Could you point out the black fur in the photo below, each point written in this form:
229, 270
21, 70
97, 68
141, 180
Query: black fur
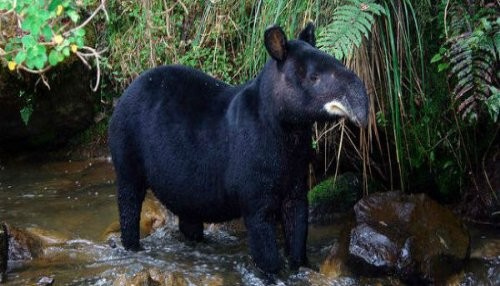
211, 152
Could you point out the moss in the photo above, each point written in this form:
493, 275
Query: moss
342, 192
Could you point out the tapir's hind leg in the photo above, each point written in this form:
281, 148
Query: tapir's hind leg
192, 230
131, 192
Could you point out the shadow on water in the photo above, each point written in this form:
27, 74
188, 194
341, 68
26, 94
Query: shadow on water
73, 204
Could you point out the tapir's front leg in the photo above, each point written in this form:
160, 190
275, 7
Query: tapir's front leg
295, 219
261, 225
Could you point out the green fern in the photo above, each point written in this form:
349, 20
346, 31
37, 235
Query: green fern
351, 22
474, 57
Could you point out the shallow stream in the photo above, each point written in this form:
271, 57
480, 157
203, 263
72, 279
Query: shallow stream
73, 203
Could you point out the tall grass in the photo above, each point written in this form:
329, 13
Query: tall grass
413, 130
224, 38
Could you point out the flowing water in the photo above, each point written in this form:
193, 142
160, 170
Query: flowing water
72, 204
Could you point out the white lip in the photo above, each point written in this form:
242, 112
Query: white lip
335, 108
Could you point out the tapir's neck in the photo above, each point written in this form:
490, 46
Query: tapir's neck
269, 109
255, 100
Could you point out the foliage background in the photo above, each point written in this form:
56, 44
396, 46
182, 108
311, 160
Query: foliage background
430, 67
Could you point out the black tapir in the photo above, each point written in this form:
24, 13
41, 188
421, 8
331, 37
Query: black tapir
212, 152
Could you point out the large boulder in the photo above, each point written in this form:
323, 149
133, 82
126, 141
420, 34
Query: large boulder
23, 245
410, 236
58, 113
27, 244
153, 216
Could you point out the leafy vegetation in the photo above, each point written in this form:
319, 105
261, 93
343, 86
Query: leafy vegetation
471, 55
38, 35
430, 67
350, 23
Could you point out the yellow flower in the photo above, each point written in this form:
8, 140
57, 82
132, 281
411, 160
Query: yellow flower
58, 39
11, 65
74, 48
59, 10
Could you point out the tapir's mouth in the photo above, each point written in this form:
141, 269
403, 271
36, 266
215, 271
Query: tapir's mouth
336, 108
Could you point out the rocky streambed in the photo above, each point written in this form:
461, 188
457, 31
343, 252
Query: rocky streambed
61, 221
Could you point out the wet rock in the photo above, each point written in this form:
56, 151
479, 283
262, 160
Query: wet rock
23, 245
334, 196
156, 277
47, 237
26, 244
45, 281
4, 251
235, 226
410, 236
489, 249
153, 216
478, 272
152, 278
335, 265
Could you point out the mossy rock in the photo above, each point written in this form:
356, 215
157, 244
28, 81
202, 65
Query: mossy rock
342, 191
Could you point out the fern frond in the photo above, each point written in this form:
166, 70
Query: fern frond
473, 56
350, 24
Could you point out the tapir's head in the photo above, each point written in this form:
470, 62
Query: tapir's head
308, 84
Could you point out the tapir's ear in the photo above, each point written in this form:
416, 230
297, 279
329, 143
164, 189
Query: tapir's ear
275, 42
307, 35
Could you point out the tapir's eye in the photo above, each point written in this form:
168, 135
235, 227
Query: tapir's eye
314, 77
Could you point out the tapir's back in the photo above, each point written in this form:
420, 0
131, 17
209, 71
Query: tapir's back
166, 126
169, 96
182, 90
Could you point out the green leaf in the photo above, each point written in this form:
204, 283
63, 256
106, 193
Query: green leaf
73, 15
5, 5
28, 41
79, 32
53, 5
66, 51
26, 113
80, 42
40, 62
47, 33
314, 144
436, 58
55, 57
36, 57
20, 57
493, 103
35, 19
443, 66
351, 23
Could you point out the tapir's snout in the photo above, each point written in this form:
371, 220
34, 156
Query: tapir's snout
353, 104
359, 104
359, 114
